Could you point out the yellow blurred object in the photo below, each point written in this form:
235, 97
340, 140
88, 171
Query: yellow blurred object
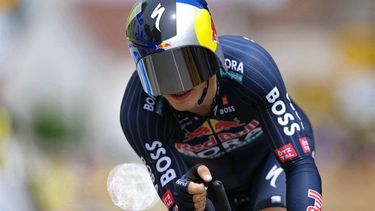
55, 187
316, 97
4, 124
5, 127
357, 42
8, 4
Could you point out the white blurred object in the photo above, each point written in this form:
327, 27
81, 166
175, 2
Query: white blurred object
6, 41
356, 97
14, 192
130, 187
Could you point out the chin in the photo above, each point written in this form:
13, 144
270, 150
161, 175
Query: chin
183, 102
182, 106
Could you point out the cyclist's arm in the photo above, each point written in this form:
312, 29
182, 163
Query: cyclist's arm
146, 131
292, 144
290, 139
161, 161
165, 167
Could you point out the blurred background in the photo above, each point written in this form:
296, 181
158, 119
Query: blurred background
64, 66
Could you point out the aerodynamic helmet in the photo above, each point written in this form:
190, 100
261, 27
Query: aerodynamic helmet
174, 44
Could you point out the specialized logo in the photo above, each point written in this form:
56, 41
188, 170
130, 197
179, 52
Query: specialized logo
157, 13
284, 118
318, 200
273, 174
286, 153
304, 144
168, 199
149, 22
163, 163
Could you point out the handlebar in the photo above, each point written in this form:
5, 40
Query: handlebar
221, 197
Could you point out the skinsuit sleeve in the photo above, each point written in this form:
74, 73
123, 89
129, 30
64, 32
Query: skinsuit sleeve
287, 128
146, 131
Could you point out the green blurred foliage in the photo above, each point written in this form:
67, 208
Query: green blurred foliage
55, 128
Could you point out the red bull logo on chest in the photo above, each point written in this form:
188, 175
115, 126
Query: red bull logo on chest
214, 137
212, 126
201, 131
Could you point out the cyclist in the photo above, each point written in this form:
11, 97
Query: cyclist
202, 107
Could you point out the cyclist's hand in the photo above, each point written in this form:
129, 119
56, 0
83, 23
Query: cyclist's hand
198, 190
190, 193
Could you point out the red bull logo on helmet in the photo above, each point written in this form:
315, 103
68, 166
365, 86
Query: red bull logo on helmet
214, 33
163, 45
205, 30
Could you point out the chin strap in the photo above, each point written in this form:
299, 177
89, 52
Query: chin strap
200, 101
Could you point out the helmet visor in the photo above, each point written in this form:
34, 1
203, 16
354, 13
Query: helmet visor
177, 69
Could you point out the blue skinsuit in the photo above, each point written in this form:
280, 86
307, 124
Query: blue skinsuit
252, 124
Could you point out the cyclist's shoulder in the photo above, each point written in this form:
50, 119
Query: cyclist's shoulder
250, 65
240, 45
139, 110
235, 39
132, 98
246, 56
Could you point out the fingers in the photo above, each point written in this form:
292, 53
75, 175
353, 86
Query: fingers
195, 188
199, 197
189, 201
200, 206
198, 190
204, 173
200, 201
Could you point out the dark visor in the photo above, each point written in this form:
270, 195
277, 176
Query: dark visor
177, 70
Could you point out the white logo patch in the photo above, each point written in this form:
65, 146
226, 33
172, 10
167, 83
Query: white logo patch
279, 109
273, 174
158, 11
